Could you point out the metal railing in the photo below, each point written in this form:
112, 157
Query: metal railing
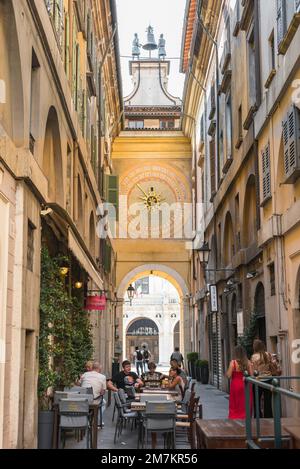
277, 393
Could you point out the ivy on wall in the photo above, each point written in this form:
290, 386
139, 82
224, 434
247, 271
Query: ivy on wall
65, 340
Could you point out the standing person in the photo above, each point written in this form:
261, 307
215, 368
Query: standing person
121, 378
237, 367
265, 365
146, 357
138, 359
176, 355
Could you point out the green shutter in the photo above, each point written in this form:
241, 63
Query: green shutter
67, 45
107, 257
111, 191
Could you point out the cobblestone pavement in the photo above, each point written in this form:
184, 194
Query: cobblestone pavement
215, 406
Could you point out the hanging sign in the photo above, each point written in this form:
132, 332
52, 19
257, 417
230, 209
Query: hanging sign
95, 303
213, 298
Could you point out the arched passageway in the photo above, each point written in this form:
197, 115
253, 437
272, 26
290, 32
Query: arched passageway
159, 297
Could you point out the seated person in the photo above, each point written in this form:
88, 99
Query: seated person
125, 377
175, 381
152, 378
174, 364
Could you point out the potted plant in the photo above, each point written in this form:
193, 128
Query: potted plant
192, 358
204, 371
65, 342
198, 370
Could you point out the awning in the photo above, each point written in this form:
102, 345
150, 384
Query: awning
83, 259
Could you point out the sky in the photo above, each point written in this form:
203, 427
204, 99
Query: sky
165, 16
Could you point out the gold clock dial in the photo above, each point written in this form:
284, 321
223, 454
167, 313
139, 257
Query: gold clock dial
152, 199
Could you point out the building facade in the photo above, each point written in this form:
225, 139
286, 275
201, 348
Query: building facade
241, 87
60, 109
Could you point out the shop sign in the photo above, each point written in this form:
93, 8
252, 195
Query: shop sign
95, 303
213, 298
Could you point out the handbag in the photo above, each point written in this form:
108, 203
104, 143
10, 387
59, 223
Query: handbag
274, 366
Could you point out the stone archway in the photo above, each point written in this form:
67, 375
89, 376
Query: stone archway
52, 159
176, 280
12, 97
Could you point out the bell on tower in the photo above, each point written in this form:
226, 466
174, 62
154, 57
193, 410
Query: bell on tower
150, 44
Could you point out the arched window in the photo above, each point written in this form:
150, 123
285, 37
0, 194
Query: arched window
52, 158
250, 216
228, 245
259, 307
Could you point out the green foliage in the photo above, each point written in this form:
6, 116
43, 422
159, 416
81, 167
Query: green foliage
246, 340
65, 341
192, 356
203, 363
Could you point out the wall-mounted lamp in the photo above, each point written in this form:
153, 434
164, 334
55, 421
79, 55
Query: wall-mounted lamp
130, 293
64, 271
203, 253
231, 282
251, 275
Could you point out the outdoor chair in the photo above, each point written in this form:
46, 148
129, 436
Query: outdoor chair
159, 417
58, 395
130, 391
79, 389
123, 417
185, 423
185, 401
74, 415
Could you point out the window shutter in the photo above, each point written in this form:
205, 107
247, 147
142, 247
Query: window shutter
67, 45
291, 144
297, 6
111, 191
281, 20
106, 256
212, 152
266, 169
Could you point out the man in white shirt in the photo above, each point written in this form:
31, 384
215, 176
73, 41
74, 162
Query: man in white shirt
95, 380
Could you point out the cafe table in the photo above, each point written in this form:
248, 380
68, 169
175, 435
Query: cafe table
139, 405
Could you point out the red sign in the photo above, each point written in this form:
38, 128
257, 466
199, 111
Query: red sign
95, 303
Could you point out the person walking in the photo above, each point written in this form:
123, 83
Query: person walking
146, 357
264, 364
138, 358
235, 372
177, 355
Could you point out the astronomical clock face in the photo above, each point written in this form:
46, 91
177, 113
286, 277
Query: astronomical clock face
158, 196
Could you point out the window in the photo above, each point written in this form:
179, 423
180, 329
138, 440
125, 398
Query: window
165, 124
272, 50
34, 100
142, 285
266, 171
212, 153
281, 21
228, 128
272, 279
30, 245
56, 13
136, 124
291, 145
240, 126
252, 69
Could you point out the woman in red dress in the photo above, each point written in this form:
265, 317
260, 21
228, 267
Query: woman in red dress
237, 400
